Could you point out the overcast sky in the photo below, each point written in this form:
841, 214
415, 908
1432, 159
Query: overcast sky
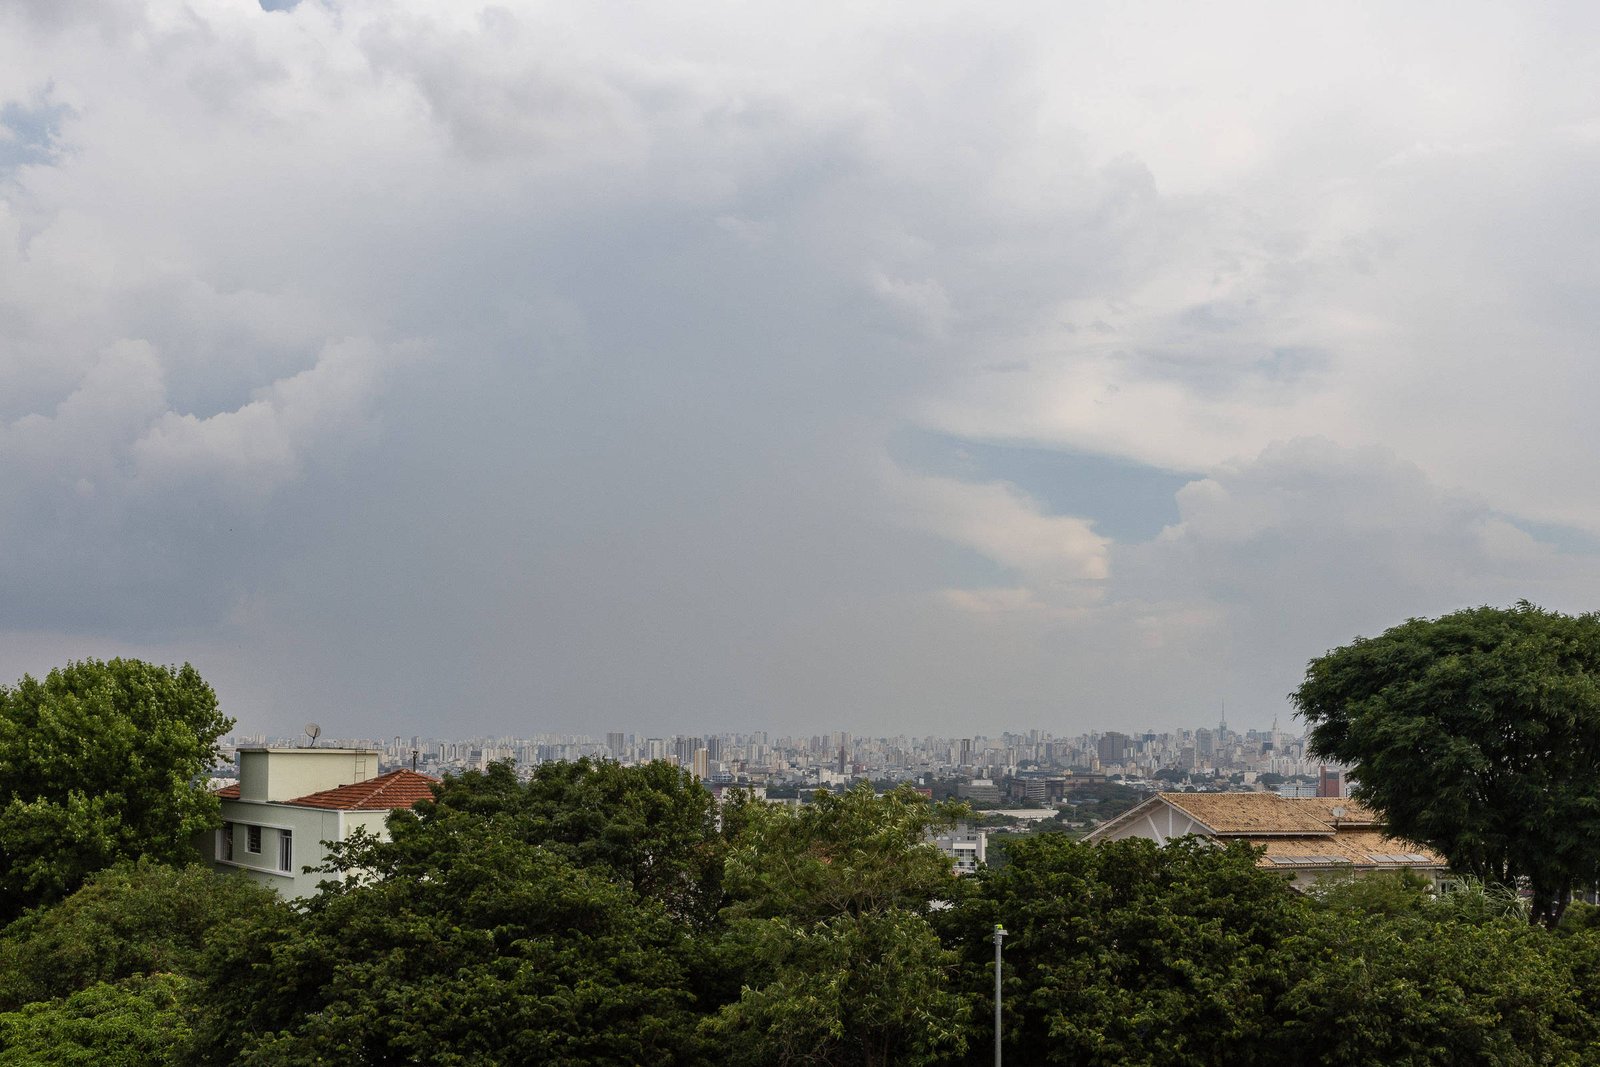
445, 367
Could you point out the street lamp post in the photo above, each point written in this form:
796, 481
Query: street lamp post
999, 936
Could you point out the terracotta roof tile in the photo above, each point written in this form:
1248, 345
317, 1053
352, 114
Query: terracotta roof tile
228, 792
397, 789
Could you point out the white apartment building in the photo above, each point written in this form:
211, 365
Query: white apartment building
965, 844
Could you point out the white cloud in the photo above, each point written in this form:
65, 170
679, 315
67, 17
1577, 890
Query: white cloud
256, 448
1005, 526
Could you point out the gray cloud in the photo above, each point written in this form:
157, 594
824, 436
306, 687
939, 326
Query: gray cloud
519, 367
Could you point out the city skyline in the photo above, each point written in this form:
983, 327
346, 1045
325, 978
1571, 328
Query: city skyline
763, 759
914, 368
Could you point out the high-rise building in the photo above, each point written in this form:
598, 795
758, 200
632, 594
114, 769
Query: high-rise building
702, 763
1115, 747
617, 743
966, 752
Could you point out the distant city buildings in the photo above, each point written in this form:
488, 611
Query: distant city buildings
1035, 767
1035, 771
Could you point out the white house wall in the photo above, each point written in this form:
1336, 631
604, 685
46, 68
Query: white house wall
310, 827
285, 773
1160, 823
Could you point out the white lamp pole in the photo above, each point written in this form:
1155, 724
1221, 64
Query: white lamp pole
999, 936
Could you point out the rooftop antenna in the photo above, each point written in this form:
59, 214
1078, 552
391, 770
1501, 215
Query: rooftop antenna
313, 731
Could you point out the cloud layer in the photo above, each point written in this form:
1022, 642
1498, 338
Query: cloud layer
536, 365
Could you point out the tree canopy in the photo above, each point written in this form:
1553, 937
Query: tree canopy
828, 923
510, 922
101, 762
493, 951
653, 827
1129, 953
133, 919
1477, 733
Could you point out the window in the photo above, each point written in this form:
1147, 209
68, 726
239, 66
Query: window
285, 850
227, 840
252, 839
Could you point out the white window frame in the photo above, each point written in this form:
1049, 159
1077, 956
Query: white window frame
286, 851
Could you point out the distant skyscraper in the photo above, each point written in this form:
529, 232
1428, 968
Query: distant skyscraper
1115, 747
702, 763
966, 752
617, 743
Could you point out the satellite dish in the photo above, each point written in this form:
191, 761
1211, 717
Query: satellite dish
313, 731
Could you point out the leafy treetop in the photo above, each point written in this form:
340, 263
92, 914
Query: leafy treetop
101, 762
1477, 733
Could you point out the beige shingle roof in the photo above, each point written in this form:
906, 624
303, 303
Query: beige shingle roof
1359, 848
1322, 807
1249, 813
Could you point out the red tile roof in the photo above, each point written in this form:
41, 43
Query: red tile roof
397, 789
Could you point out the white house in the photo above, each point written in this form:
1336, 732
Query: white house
1307, 838
290, 800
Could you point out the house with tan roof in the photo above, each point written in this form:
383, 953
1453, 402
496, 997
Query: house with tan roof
290, 801
1307, 839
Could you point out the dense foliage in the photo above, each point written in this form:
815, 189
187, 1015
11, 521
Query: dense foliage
595, 914
101, 762
828, 911
1477, 733
106, 976
132, 920
1126, 953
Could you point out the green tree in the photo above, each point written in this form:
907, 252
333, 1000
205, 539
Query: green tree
1103, 801
1129, 953
124, 922
491, 951
1386, 972
829, 922
101, 762
137, 1022
654, 826
1477, 733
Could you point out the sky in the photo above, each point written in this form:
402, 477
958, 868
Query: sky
442, 367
